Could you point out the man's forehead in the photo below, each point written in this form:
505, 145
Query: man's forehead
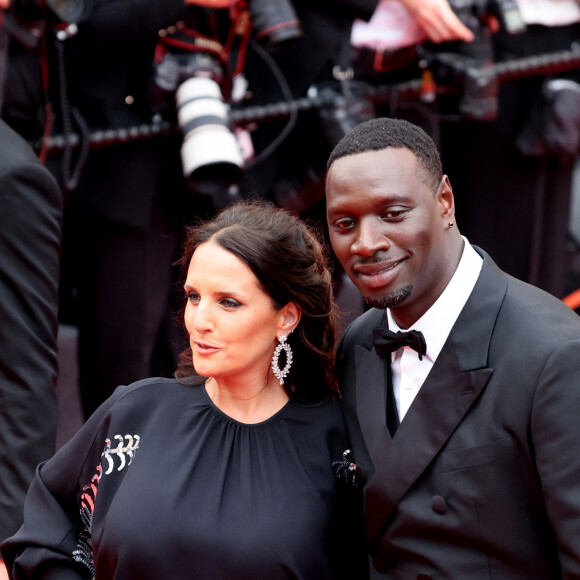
372, 170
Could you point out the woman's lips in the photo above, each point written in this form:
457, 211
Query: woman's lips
204, 348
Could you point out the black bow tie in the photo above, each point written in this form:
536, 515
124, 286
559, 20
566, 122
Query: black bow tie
386, 341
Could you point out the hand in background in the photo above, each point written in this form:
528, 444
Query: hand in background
3, 571
438, 20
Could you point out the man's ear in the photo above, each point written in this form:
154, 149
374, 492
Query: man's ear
445, 198
289, 318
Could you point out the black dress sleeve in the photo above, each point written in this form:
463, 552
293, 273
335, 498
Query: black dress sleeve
49, 545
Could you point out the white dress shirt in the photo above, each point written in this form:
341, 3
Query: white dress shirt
409, 372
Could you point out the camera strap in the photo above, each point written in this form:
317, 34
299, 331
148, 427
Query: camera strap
239, 37
4, 42
179, 38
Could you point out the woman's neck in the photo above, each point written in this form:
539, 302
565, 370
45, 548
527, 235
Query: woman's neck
247, 403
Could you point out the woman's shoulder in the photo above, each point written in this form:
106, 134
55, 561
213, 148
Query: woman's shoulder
149, 393
326, 412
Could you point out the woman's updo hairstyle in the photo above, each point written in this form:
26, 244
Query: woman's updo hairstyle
289, 261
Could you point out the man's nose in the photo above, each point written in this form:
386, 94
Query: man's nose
371, 238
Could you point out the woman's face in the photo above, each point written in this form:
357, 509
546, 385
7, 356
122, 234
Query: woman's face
232, 323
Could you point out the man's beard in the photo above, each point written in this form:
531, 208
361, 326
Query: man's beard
391, 300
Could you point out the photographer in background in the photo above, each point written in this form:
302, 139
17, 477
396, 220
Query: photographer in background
95, 70
30, 232
119, 231
513, 181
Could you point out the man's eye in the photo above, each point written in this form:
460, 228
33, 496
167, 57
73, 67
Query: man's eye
344, 224
395, 213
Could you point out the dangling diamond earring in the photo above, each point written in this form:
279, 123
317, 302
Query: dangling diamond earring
283, 346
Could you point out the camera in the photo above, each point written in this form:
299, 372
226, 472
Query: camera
210, 154
470, 66
275, 21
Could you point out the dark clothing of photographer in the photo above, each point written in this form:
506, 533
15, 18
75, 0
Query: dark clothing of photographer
30, 232
513, 201
118, 221
293, 176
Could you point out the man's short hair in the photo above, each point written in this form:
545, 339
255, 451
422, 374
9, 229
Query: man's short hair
385, 132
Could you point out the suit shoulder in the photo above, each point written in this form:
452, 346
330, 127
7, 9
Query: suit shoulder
535, 309
15, 150
360, 330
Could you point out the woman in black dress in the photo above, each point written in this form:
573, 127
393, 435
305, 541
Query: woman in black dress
225, 472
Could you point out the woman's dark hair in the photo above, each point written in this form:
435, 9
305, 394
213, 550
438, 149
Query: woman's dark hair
289, 261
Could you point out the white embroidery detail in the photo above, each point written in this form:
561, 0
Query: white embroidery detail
121, 451
84, 551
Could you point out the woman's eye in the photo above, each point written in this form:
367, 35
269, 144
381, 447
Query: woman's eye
230, 303
193, 297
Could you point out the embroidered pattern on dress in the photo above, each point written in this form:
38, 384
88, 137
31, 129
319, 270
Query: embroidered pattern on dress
84, 552
120, 451
348, 471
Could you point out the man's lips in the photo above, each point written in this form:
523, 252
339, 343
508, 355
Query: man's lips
377, 274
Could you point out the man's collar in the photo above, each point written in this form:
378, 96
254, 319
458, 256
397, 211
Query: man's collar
437, 322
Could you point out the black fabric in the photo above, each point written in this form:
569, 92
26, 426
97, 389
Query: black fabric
183, 491
392, 414
30, 216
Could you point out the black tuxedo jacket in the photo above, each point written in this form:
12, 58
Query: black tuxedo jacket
482, 478
30, 215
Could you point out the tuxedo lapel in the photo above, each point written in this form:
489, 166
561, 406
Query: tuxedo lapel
371, 400
442, 402
456, 380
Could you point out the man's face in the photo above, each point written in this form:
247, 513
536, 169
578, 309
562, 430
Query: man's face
388, 229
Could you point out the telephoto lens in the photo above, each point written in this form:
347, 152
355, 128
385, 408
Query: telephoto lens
210, 153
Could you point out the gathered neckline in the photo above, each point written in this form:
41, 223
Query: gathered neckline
229, 418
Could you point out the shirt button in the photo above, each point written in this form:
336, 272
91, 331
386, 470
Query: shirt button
438, 504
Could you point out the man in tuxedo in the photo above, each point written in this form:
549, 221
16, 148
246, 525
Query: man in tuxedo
466, 424
30, 221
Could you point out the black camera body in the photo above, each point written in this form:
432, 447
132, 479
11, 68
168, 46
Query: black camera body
469, 66
275, 21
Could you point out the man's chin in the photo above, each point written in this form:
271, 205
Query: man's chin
391, 300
